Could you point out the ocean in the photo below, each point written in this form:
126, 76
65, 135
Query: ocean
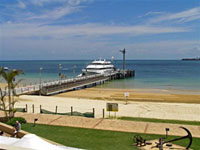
149, 74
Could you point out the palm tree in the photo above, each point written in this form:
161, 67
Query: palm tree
9, 77
13, 86
3, 105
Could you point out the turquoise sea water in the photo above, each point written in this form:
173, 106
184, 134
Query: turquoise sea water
150, 74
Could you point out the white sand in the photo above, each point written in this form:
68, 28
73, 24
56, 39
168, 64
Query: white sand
176, 111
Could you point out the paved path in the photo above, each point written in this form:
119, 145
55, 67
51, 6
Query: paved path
108, 124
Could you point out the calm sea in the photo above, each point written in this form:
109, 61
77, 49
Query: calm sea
150, 74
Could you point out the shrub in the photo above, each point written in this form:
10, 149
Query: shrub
12, 121
20, 109
89, 114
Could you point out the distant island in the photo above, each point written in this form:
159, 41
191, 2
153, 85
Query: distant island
192, 59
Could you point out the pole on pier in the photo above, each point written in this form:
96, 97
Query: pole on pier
60, 74
40, 80
123, 52
74, 70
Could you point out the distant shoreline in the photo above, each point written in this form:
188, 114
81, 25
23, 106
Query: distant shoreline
191, 59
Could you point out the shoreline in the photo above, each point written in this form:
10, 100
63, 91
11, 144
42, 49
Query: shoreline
137, 94
153, 90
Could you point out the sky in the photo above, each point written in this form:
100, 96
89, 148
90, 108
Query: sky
90, 29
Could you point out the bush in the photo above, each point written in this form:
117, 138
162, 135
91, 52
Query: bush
89, 114
20, 110
12, 121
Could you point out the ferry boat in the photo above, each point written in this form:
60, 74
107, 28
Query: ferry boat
98, 67
5, 68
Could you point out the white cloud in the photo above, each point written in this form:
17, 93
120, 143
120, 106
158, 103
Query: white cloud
151, 13
41, 2
78, 2
56, 13
84, 48
37, 35
21, 4
74, 2
36, 30
57, 9
176, 49
70, 2
184, 16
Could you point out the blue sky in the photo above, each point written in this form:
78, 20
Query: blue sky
89, 29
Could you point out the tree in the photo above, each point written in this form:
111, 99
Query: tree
9, 77
13, 86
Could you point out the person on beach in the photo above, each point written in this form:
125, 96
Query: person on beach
2, 133
17, 128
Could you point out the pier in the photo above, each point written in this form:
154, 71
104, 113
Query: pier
63, 85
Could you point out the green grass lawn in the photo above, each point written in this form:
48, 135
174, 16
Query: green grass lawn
93, 139
161, 120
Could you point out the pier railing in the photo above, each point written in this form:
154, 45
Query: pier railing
53, 87
59, 85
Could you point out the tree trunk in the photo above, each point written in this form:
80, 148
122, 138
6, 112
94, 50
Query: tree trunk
13, 104
9, 100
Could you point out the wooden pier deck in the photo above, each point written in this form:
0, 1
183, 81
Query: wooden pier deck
63, 85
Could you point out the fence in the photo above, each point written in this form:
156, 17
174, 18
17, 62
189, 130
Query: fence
54, 110
61, 110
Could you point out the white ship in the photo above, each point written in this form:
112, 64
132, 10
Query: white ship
99, 67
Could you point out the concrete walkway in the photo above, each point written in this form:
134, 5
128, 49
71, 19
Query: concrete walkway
113, 125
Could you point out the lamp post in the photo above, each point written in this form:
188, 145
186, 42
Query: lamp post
167, 130
60, 67
86, 69
74, 70
40, 79
112, 59
35, 120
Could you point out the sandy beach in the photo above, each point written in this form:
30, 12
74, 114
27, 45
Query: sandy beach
139, 95
3, 85
147, 103
161, 105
